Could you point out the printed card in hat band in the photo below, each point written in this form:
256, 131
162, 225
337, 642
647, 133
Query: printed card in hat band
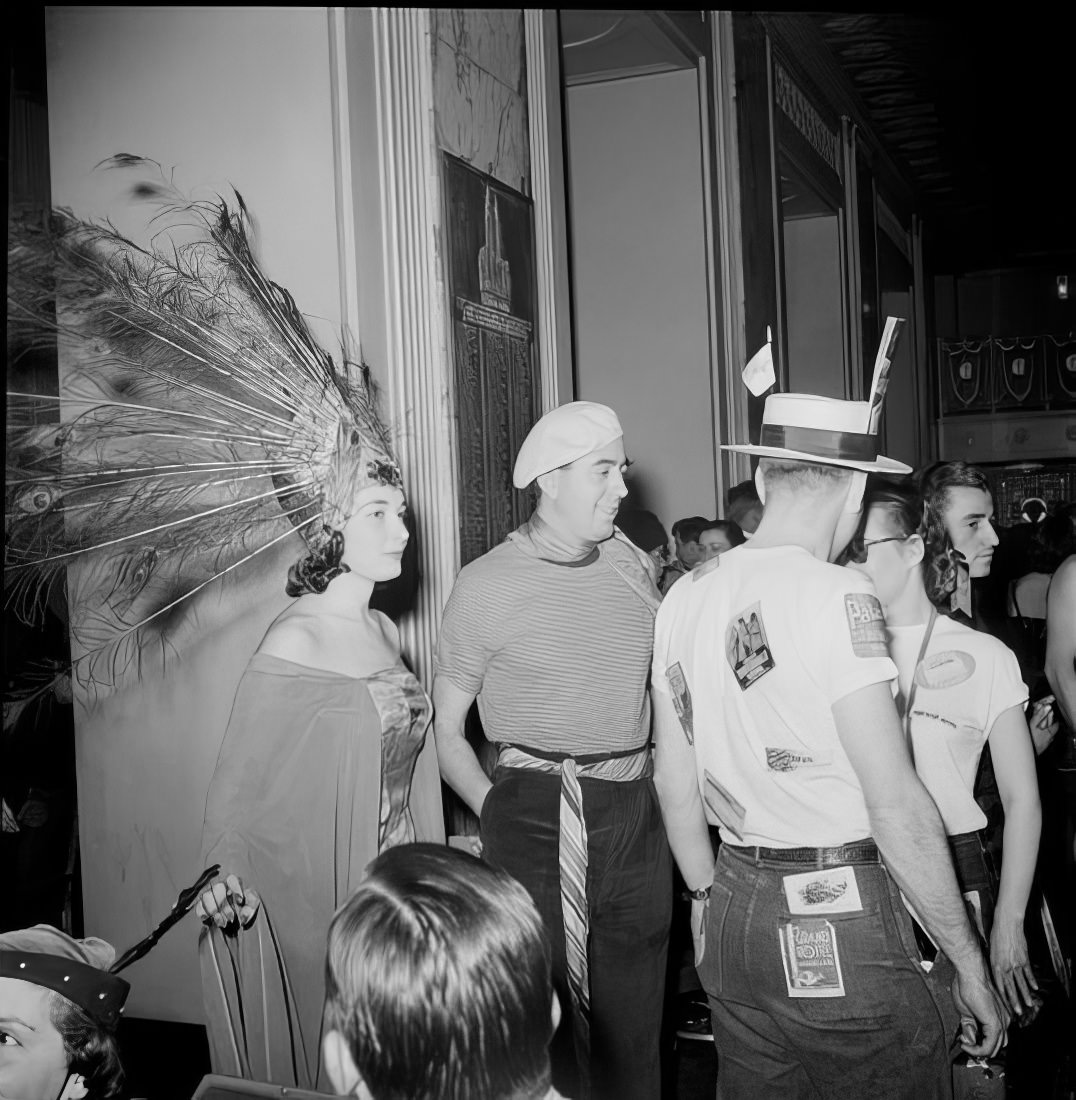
758, 375
883, 361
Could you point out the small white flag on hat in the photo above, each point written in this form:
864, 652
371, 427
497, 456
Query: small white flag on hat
758, 375
882, 362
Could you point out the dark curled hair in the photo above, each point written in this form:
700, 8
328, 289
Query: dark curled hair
689, 528
90, 1050
1051, 542
438, 977
729, 528
321, 564
936, 481
908, 515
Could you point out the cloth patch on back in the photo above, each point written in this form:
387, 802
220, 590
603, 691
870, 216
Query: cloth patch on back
943, 670
832, 890
866, 624
785, 760
681, 699
723, 806
747, 648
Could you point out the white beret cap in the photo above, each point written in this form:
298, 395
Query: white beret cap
561, 436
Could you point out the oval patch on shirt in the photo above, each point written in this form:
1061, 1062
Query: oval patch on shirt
943, 670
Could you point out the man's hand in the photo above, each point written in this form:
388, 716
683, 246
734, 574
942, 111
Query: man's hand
228, 905
983, 1016
1012, 971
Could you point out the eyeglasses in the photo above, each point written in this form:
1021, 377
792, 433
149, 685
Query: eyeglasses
858, 547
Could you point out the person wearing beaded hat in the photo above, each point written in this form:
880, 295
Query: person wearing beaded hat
204, 432
775, 722
552, 631
59, 1008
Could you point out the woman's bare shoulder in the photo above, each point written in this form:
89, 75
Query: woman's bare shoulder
389, 630
291, 636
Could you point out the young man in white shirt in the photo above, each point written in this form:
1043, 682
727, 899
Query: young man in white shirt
774, 721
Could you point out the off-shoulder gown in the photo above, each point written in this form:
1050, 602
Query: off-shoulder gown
318, 773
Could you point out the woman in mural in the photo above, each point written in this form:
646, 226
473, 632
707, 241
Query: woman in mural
959, 689
205, 432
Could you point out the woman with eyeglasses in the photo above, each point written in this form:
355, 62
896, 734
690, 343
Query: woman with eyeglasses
959, 689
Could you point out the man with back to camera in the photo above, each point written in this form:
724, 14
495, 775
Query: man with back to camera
774, 720
438, 979
552, 631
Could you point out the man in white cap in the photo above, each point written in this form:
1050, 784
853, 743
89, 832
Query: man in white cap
552, 631
775, 722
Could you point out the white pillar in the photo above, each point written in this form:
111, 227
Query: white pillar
417, 354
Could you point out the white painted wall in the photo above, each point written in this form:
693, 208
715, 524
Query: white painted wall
225, 97
639, 281
813, 306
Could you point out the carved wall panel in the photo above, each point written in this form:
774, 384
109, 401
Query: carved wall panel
490, 264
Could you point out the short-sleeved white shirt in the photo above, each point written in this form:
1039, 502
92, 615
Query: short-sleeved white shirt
966, 680
753, 656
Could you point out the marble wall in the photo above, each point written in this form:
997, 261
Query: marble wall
480, 91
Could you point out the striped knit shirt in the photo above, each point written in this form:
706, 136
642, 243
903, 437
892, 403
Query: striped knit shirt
557, 654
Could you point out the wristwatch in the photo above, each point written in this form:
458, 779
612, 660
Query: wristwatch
697, 895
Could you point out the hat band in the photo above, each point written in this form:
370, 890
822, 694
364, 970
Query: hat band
853, 446
98, 993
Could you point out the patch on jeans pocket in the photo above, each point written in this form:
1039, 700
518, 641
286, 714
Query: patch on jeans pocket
810, 957
833, 890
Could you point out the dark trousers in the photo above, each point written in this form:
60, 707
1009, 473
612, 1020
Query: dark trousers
629, 898
978, 881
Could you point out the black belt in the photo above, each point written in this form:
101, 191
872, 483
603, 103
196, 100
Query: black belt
579, 758
859, 851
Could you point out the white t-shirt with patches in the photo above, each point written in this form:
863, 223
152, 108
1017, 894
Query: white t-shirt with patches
753, 656
967, 679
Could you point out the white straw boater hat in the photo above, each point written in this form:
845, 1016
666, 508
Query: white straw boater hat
808, 428
819, 429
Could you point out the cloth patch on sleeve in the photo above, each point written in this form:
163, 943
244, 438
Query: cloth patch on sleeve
866, 624
681, 699
811, 960
833, 890
943, 670
723, 806
747, 648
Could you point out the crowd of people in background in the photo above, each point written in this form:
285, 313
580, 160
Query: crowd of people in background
1003, 601
696, 539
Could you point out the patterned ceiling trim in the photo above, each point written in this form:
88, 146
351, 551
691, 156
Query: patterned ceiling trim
802, 114
885, 57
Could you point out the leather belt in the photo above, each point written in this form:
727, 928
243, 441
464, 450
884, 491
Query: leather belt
859, 851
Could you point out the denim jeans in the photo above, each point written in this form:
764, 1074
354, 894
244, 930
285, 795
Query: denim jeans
978, 881
629, 896
890, 1034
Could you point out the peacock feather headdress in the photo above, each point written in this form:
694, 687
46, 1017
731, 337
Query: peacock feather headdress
198, 425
